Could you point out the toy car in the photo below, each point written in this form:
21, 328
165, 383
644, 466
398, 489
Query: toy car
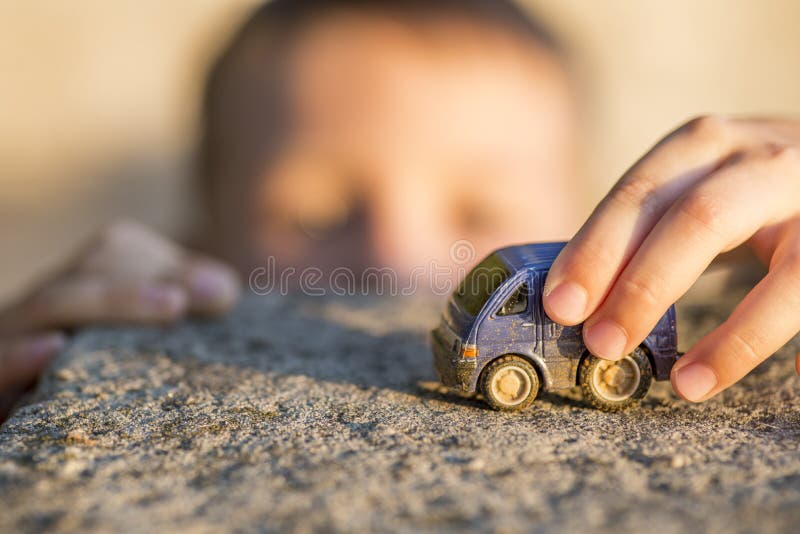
495, 338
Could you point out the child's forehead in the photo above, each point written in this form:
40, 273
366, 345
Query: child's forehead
361, 58
365, 74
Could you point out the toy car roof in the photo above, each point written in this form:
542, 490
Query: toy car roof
530, 256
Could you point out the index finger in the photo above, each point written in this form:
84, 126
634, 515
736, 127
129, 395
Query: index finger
586, 268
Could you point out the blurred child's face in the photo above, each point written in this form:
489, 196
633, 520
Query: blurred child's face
404, 141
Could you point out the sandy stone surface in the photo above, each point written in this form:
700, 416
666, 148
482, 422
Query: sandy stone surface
313, 415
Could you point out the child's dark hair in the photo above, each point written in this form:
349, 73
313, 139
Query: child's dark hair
244, 92
290, 14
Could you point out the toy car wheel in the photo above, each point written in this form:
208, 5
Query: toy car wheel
509, 383
610, 385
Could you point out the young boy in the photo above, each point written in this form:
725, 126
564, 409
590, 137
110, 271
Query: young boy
352, 133
345, 132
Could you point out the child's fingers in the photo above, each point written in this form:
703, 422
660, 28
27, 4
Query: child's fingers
765, 320
212, 287
127, 252
22, 360
719, 213
203, 286
129, 274
584, 271
83, 300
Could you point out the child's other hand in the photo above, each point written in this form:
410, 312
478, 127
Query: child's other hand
706, 188
22, 359
128, 274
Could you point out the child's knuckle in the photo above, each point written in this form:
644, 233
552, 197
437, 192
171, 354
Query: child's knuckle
786, 156
745, 349
590, 261
118, 231
637, 191
707, 127
647, 289
705, 211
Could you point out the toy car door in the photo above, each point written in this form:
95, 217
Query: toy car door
562, 345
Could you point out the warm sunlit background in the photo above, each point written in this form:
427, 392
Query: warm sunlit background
98, 100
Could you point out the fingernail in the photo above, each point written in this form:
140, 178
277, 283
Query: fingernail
694, 381
606, 339
568, 302
167, 299
208, 284
45, 347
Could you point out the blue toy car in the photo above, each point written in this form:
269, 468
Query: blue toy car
495, 338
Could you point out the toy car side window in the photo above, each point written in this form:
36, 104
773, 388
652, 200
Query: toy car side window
516, 303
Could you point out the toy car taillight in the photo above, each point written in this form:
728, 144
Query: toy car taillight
469, 351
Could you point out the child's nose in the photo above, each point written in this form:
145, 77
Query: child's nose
407, 230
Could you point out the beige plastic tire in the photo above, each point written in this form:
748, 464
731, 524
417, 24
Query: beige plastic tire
509, 383
613, 386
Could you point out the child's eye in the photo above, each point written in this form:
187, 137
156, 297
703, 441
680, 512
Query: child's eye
331, 224
323, 225
473, 217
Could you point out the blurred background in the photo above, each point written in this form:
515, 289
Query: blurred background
99, 100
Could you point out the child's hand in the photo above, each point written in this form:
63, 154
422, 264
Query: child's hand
706, 188
22, 359
128, 274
